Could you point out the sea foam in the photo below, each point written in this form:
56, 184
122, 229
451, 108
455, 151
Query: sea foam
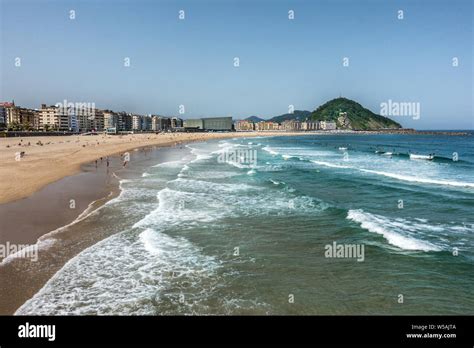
396, 232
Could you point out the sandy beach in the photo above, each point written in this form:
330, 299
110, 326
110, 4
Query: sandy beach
39, 214
36, 192
44, 219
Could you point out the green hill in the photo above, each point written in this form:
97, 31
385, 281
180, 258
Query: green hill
254, 119
297, 114
357, 117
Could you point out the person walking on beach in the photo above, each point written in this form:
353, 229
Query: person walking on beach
107, 161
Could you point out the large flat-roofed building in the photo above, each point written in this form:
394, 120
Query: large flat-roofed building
194, 123
209, 123
217, 123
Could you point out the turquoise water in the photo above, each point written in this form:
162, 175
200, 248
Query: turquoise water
214, 234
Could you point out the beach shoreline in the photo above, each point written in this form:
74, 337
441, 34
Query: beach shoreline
23, 278
49, 159
59, 241
51, 226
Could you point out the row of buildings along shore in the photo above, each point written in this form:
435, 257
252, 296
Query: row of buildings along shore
288, 125
84, 117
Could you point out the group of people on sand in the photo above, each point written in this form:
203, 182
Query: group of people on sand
101, 160
125, 160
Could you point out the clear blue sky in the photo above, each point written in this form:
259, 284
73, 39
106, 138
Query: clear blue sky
282, 62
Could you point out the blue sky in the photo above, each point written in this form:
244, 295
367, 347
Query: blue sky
190, 62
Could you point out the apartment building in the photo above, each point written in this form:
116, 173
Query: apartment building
55, 118
3, 116
244, 125
309, 125
11, 114
267, 126
124, 121
137, 122
327, 125
291, 125
160, 123
98, 122
146, 123
110, 119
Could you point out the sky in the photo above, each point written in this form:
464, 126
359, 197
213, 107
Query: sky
282, 61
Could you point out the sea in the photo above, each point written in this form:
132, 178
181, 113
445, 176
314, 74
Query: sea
304, 225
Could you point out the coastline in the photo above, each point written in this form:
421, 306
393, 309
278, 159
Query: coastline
23, 278
60, 241
50, 158
52, 227
62, 156
57, 204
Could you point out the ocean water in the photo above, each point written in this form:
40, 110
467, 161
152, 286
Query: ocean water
213, 234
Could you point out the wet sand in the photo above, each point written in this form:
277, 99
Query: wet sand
36, 193
46, 216
57, 204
